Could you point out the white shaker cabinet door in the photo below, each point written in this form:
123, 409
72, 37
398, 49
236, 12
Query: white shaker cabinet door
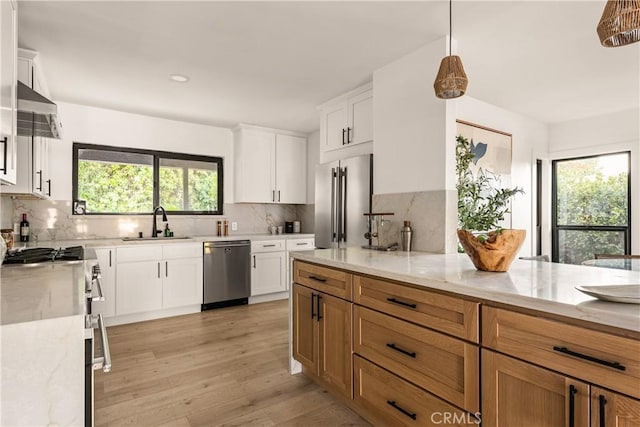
182, 282
361, 118
255, 163
268, 273
291, 169
107, 262
333, 127
138, 287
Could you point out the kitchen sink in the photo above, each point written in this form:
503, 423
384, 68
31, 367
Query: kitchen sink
157, 239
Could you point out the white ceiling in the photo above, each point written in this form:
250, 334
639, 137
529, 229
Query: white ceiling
271, 63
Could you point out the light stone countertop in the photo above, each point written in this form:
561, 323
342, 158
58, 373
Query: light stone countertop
117, 241
41, 291
542, 286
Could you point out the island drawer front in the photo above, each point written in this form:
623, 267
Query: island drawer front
597, 357
447, 314
389, 400
323, 279
442, 365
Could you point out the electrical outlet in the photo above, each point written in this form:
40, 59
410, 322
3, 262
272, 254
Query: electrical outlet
234, 226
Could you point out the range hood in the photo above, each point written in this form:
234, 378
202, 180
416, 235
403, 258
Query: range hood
37, 115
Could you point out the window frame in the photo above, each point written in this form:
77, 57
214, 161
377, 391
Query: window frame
555, 228
157, 155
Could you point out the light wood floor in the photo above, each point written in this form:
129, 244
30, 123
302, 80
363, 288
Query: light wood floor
226, 367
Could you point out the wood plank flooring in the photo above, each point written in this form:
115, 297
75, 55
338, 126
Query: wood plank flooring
226, 367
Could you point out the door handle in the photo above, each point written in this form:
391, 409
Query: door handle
344, 204
273, 195
334, 203
4, 141
49, 184
318, 298
572, 405
254, 261
313, 296
166, 269
39, 173
278, 195
343, 133
109, 257
103, 362
602, 401
349, 141
158, 270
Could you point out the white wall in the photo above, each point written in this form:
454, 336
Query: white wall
108, 127
609, 133
410, 125
529, 142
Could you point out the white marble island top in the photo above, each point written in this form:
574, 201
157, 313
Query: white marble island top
41, 291
541, 286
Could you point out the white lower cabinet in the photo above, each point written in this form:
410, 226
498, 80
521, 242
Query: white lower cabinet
151, 278
182, 281
268, 267
107, 261
138, 287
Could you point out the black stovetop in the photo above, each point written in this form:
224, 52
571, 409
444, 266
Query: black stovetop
33, 255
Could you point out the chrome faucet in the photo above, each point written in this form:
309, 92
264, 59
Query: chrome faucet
154, 230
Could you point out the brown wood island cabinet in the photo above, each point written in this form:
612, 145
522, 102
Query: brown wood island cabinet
403, 354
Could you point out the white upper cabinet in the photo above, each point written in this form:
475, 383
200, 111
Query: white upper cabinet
347, 120
8, 88
32, 163
291, 169
270, 166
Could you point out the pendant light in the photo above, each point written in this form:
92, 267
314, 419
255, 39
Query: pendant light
620, 23
451, 81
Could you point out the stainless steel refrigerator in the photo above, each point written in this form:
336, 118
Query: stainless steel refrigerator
343, 196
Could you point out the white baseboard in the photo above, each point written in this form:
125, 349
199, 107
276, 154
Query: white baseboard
151, 315
268, 297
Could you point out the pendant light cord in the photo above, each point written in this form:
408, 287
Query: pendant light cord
450, 26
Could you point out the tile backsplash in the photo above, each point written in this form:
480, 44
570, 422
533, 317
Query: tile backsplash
47, 214
432, 214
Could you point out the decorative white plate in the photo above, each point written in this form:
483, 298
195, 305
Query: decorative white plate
629, 294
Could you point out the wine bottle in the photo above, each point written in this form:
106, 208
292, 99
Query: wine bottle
24, 228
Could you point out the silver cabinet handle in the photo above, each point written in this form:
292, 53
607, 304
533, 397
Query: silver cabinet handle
273, 195
100, 296
301, 244
166, 269
278, 195
268, 246
254, 261
39, 173
103, 362
158, 270
109, 257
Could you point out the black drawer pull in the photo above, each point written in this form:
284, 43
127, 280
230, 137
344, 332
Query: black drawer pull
572, 406
408, 353
614, 365
404, 411
318, 279
406, 304
602, 402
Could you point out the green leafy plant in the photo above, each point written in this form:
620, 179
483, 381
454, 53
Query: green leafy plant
482, 204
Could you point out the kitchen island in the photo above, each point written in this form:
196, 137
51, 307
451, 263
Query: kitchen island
42, 344
379, 329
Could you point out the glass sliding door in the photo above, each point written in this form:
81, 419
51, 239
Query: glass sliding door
591, 211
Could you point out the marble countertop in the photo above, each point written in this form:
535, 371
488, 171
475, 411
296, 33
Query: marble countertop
113, 242
41, 291
542, 286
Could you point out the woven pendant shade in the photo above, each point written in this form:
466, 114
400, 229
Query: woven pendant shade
620, 23
451, 81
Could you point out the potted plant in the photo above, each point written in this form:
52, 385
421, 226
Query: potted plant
482, 204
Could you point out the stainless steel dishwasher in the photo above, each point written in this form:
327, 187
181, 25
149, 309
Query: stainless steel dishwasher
227, 273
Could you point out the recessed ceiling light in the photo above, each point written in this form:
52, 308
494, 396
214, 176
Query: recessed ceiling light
179, 78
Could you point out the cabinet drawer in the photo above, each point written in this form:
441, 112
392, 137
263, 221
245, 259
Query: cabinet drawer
445, 366
300, 244
327, 280
451, 315
139, 253
597, 357
177, 251
389, 400
274, 245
